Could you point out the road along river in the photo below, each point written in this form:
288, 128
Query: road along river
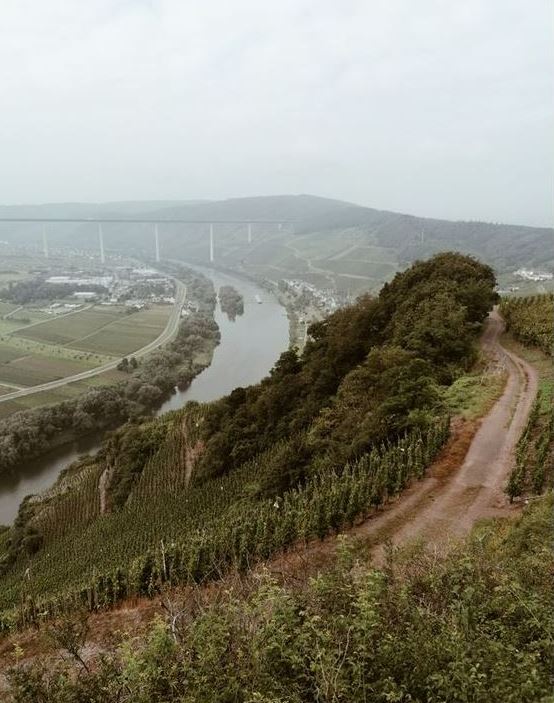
249, 347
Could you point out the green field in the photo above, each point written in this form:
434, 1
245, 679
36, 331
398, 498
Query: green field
106, 330
8, 354
128, 334
34, 370
72, 327
57, 395
64, 346
13, 348
6, 308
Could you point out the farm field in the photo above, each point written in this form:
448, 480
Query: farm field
57, 395
72, 327
64, 346
15, 349
110, 331
6, 308
127, 334
7, 276
368, 269
33, 370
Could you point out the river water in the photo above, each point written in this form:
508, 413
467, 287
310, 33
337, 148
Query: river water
249, 347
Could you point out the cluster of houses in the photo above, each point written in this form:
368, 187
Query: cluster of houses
133, 287
326, 300
530, 275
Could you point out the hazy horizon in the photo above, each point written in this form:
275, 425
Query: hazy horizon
169, 202
444, 112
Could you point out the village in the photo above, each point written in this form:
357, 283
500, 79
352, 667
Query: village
135, 288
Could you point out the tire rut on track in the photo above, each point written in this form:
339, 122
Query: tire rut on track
439, 510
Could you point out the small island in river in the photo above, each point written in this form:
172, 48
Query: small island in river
231, 301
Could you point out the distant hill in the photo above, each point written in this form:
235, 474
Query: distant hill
329, 242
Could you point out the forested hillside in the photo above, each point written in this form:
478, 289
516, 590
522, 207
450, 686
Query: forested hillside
327, 437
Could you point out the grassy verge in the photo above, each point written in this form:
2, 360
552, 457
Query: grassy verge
539, 360
472, 395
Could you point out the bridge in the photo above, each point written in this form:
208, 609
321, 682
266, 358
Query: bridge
156, 222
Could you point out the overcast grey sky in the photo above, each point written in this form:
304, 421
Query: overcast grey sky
435, 107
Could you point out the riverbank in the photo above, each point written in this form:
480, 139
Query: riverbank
248, 349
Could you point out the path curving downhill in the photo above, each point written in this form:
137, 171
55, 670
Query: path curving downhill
443, 507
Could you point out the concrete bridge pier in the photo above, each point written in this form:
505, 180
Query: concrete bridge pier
101, 242
44, 242
157, 242
211, 243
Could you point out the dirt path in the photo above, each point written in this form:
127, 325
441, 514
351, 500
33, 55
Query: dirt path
442, 507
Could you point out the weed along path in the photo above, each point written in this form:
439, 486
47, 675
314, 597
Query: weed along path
449, 501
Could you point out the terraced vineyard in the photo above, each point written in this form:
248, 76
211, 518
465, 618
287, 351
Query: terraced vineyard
191, 534
531, 320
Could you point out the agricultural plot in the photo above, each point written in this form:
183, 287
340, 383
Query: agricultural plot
8, 276
370, 269
357, 284
34, 369
26, 316
128, 334
323, 245
8, 354
8, 326
57, 395
371, 254
6, 308
64, 346
69, 328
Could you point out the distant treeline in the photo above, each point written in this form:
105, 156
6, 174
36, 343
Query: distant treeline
231, 301
29, 433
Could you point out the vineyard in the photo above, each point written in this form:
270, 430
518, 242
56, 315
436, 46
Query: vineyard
531, 320
188, 536
472, 624
534, 467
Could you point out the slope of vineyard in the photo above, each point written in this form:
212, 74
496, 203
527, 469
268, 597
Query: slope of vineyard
328, 437
474, 625
531, 320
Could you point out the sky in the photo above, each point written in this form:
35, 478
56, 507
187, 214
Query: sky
436, 107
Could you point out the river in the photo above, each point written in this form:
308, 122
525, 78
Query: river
249, 347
